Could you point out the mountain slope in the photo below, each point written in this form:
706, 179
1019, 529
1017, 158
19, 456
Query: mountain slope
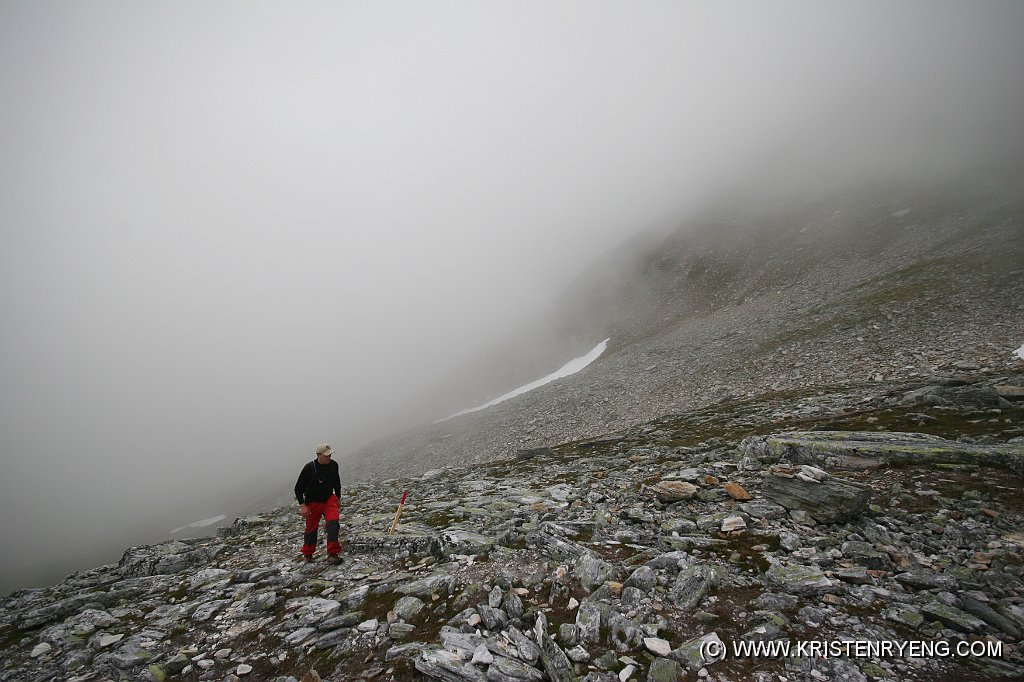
885, 280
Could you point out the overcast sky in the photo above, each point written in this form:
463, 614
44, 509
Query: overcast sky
230, 230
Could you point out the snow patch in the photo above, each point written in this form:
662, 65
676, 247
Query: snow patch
571, 367
1019, 352
201, 523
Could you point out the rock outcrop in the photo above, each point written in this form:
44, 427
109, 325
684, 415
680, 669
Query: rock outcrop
865, 449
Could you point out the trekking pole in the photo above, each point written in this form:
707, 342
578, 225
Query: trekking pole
394, 524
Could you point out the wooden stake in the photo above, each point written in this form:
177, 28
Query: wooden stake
394, 524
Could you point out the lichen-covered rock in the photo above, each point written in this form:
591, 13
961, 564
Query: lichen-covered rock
593, 571
691, 586
664, 670
696, 654
953, 617
799, 580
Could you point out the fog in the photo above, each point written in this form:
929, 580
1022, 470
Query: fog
231, 230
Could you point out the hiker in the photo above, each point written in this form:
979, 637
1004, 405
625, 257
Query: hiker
318, 490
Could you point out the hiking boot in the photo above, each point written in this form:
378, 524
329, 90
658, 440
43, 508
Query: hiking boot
306, 558
334, 559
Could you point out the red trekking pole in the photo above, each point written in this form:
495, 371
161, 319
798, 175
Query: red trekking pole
394, 524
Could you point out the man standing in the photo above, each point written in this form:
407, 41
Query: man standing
318, 490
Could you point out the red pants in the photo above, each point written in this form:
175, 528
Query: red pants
328, 510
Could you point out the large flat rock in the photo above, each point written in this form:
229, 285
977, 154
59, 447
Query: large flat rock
832, 500
857, 449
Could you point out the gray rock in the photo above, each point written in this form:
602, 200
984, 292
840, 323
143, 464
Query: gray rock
512, 605
556, 663
482, 656
763, 509
508, 670
459, 541
691, 653
588, 621
798, 580
734, 522
206, 576
130, 655
600, 676
854, 576
691, 586
664, 670
866, 555
440, 585
578, 654
345, 620
593, 571
206, 611
625, 635
319, 610
631, 597
927, 580
400, 630
852, 449
299, 636
494, 619
989, 615
953, 617
670, 561
446, 666
657, 646
528, 649
404, 651
906, 615
409, 608
643, 578
168, 557
830, 501
354, 598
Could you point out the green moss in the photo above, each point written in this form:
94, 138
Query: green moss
740, 551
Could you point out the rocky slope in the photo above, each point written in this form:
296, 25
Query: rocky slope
599, 528
890, 282
808, 514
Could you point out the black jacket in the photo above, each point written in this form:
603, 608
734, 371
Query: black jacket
317, 482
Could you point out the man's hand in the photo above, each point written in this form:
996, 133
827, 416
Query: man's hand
304, 510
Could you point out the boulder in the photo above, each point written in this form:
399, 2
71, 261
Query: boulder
857, 449
832, 500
